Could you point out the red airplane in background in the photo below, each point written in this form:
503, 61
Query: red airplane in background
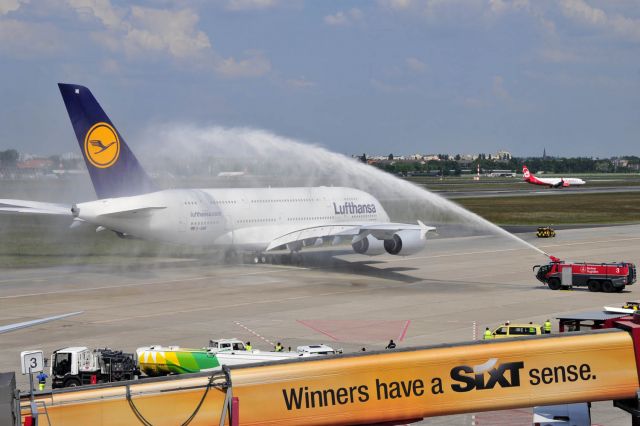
550, 182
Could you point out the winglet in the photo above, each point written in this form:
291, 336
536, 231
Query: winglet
424, 229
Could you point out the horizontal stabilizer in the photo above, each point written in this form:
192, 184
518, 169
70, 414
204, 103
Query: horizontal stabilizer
33, 207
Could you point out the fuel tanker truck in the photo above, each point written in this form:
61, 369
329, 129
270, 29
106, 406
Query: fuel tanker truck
79, 365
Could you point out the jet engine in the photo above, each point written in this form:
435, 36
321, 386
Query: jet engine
405, 243
370, 246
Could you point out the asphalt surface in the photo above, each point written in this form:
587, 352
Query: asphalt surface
344, 300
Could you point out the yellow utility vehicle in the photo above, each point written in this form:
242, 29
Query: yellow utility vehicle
545, 232
517, 330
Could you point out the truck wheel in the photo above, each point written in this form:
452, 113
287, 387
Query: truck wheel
554, 284
607, 286
594, 286
71, 383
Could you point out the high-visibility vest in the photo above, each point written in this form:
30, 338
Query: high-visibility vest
279, 348
547, 326
248, 347
488, 335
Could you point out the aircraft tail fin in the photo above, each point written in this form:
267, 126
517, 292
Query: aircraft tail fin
114, 170
525, 173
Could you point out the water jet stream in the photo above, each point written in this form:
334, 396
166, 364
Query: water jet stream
266, 159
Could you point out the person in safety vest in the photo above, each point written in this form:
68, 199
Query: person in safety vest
391, 345
487, 334
247, 346
547, 327
279, 347
42, 380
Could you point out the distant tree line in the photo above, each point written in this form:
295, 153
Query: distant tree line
448, 165
8, 158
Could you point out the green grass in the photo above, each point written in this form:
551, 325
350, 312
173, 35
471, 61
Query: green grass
27, 241
621, 207
466, 183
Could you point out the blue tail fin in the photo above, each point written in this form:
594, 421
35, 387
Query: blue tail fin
114, 170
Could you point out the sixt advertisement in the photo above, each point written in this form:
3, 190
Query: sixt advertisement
450, 380
392, 386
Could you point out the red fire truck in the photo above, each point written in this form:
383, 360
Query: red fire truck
607, 277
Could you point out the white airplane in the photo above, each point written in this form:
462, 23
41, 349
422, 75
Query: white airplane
255, 220
550, 182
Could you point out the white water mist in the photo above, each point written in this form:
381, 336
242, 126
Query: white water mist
261, 158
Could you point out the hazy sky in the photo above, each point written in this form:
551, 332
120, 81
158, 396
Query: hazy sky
400, 76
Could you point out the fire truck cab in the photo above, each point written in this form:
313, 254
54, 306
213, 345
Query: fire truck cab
607, 277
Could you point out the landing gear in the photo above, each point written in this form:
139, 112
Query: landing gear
231, 256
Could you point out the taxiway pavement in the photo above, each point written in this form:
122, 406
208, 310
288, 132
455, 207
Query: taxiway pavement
436, 296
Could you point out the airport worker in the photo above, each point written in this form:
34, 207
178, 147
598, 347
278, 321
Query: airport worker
289, 349
547, 327
42, 380
391, 345
364, 349
247, 346
279, 347
487, 334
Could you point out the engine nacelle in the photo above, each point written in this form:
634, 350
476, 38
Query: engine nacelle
370, 246
405, 243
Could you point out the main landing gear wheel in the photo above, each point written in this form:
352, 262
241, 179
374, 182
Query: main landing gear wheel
594, 286
554, 284
607, 286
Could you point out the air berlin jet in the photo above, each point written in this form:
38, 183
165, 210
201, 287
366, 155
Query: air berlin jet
550, 182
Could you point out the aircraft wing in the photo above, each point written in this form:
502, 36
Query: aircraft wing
357, 231
33, 207
25, 324
133, 212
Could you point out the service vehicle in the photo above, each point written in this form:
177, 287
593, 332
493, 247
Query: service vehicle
545, 232
517, 330
627, 308
318, 350
79, 365
607, 277
159, 360
233, 352
220, 345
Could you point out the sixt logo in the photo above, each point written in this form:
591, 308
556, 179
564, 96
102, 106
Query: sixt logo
470, 378
353, 208
102, 145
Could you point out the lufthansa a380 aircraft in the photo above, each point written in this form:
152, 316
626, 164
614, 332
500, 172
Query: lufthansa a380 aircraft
255, 220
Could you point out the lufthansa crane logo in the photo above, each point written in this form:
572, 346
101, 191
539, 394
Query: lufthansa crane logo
102, 145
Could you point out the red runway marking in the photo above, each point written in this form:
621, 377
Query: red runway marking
404, 330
